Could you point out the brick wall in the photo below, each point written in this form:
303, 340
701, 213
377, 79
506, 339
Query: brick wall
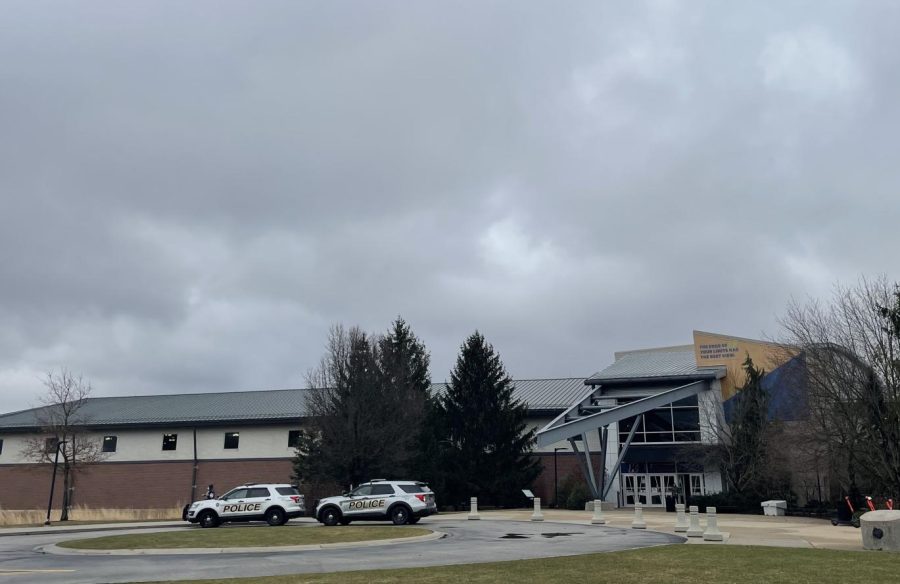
567, 464
140, 485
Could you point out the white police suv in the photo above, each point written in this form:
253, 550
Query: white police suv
274, 504
379, 500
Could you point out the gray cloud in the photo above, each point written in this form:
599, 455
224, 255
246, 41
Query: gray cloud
192, 193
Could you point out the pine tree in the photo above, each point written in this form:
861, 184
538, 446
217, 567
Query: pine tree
403, 363
366, 408
747, 465
486, 445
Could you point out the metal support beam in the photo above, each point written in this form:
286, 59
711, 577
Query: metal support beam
615, 470
604, 440
556, 432
584, 460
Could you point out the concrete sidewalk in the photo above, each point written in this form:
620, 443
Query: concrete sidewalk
801, 532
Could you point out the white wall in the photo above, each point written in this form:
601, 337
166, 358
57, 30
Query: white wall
146, 445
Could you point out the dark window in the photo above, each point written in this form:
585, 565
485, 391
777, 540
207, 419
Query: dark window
109, 443
170, 441
293, 438
258, 492
231, 440
687, 436
686, 402
1, 445
658, 420
236, 494
415, 488
659, 436
287, 491
686, 420
382, 489
50, 444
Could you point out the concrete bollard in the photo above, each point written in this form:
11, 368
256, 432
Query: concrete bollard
537, 515
598, 518
681, 522
473, 509
712, 532
694, 530
638, 521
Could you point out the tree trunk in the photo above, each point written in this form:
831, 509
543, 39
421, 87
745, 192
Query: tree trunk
66, 492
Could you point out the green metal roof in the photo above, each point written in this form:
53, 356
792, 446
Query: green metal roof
249, 407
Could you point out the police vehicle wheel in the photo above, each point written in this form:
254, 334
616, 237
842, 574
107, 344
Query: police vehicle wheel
400, 515
275, 517
208, 519
330, 517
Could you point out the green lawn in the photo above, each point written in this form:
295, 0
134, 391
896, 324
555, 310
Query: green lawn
245, 536
697, 564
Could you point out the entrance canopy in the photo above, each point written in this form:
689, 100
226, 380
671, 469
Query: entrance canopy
646, 380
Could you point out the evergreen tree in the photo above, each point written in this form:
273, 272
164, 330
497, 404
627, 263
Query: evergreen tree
486, 447
366, 407
403, 363
746, 463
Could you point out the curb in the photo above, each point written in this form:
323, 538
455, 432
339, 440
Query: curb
57, 550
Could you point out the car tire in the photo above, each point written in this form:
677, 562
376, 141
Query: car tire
400, 515
208, 519
276, 516
330, 516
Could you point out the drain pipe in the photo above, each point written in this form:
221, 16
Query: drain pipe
194, 473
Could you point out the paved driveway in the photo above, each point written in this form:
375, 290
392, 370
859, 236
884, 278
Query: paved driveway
466, 542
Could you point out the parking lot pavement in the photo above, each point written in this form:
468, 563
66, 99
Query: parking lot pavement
467, 542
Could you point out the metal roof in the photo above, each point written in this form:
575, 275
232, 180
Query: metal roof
540, 394
652, 364
191, 408
256, 406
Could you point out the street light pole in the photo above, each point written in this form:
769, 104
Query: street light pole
59, 443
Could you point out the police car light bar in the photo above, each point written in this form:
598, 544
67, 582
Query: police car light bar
377, 480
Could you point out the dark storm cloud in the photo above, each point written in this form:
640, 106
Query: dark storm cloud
193, 192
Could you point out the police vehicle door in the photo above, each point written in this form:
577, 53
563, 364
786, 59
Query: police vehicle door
233, 503
355, 503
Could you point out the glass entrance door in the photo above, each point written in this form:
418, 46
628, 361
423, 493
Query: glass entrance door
650, 489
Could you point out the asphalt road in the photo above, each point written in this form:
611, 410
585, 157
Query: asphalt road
467, 542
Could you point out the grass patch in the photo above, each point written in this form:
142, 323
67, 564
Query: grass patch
224, 537
698, 564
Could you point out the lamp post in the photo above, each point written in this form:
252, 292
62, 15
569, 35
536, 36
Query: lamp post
556, 478
59, 444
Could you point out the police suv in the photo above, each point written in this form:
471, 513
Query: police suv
274, 504
379, 500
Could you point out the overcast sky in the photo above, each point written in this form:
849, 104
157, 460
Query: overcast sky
193, 192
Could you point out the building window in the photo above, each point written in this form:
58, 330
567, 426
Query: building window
293, 438
109, 443
1, 445
231, 440
50, 444
170, 441
677, 422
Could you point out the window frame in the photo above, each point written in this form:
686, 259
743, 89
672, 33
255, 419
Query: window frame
114, 438
170, 439
236, 437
